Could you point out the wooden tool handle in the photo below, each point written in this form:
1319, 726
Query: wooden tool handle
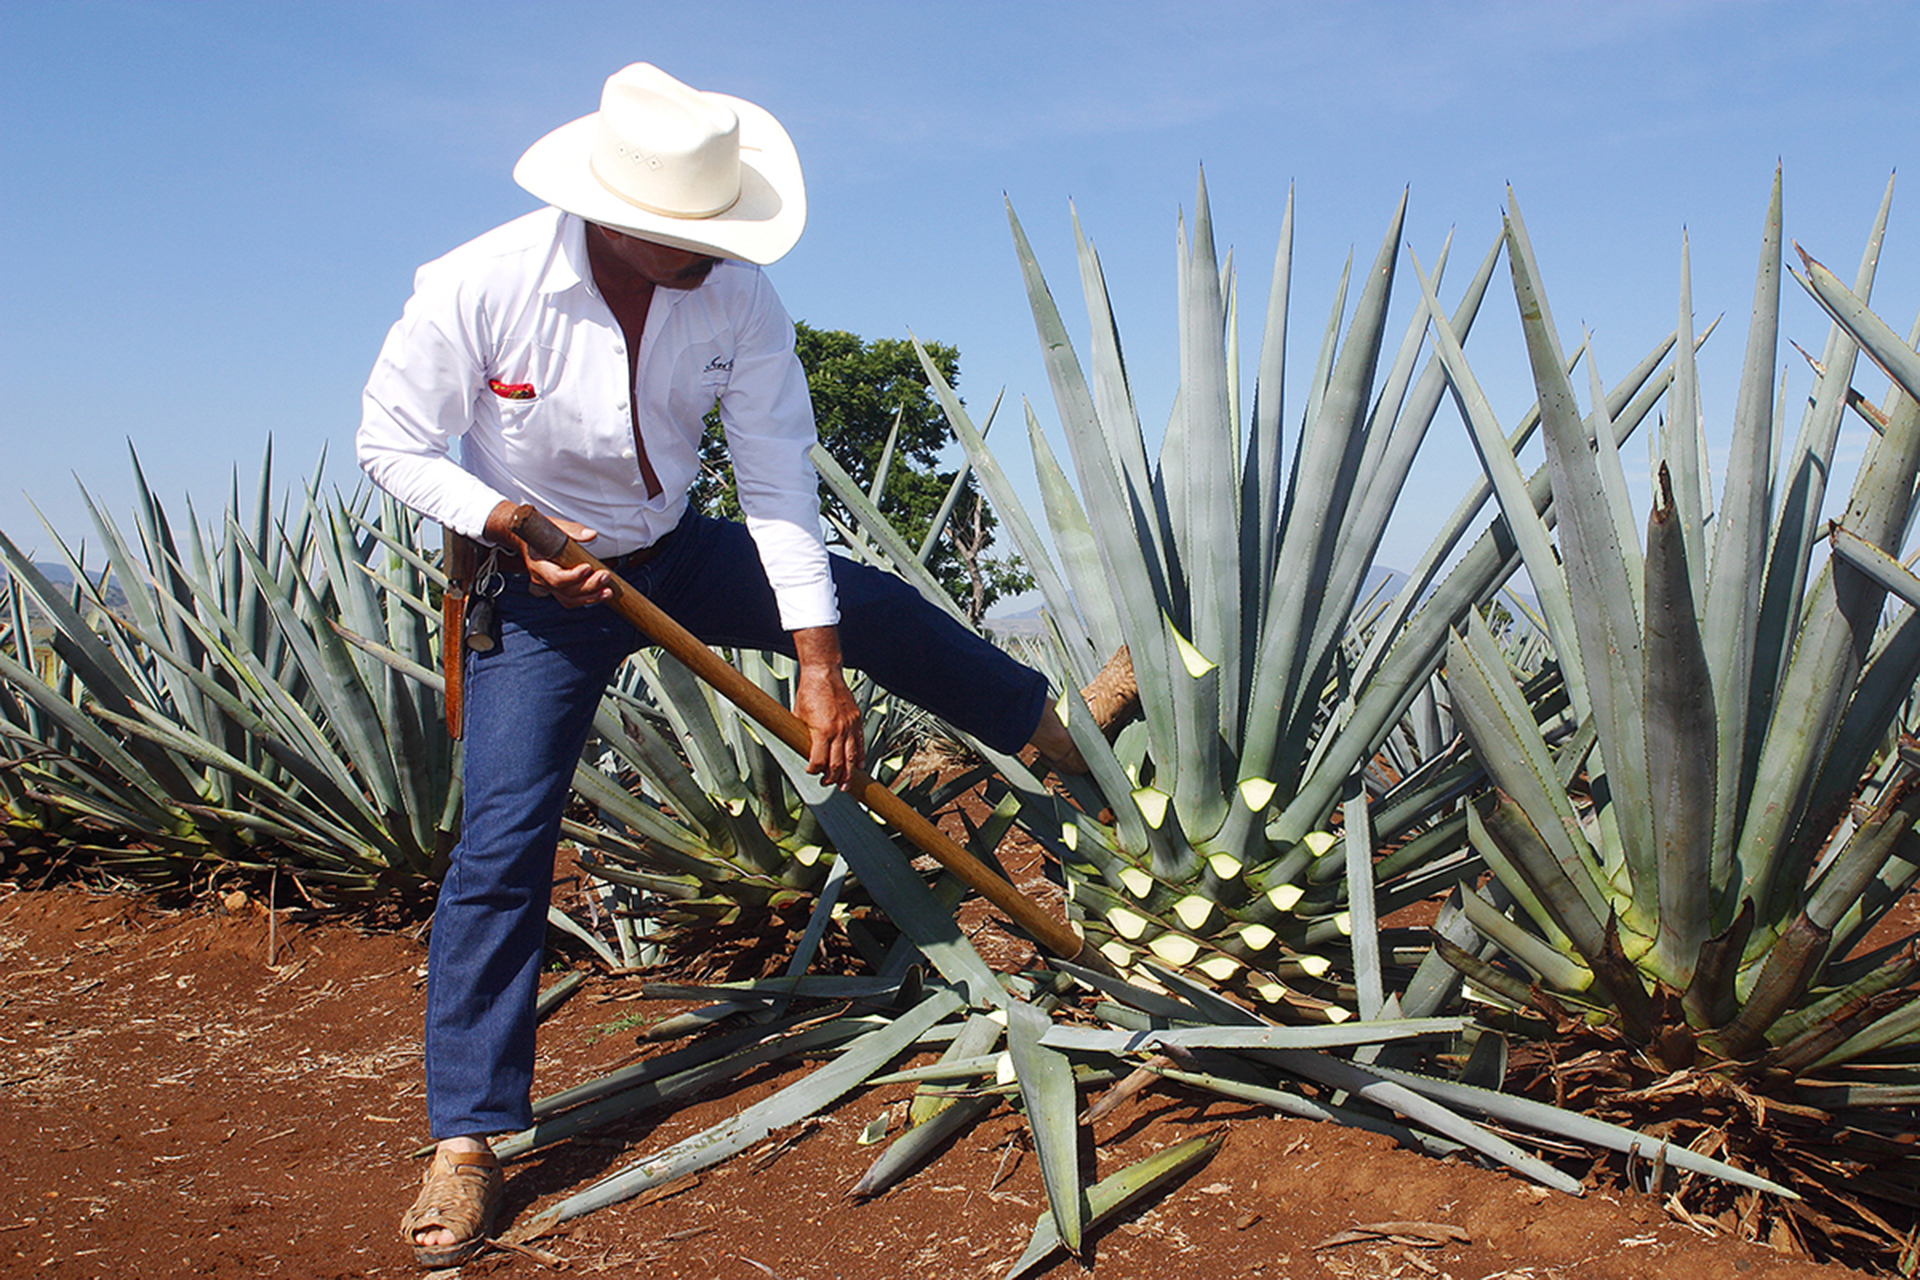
546, 541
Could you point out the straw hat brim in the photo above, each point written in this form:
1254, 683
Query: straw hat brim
762, 224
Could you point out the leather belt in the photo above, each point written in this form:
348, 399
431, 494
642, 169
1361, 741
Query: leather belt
509, 561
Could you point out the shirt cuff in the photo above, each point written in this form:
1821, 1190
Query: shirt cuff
806, 605
470, 516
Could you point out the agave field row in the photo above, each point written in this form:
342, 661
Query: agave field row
1657, 814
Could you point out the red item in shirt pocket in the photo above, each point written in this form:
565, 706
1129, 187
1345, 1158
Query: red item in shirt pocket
511, 390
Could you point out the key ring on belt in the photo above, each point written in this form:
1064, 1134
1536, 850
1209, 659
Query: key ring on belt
483, 620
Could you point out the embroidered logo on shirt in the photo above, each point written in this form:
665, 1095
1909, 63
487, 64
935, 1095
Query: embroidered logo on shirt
511, 390
717, 365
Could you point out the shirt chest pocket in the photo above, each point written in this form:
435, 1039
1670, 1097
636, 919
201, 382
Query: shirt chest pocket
524, 392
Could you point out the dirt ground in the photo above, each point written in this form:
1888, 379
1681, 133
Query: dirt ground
219, 1091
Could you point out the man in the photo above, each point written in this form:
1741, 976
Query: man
572, 353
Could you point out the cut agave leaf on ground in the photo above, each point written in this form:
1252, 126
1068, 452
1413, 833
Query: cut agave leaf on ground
1508, 1109
1307, 1109
1052, 1111
1224, 1037
977, 1038
631, 1090
1372, 1084
861, 1059
921, 1144
1115, 1192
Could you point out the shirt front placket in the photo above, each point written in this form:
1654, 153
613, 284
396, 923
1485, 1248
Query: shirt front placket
630, 358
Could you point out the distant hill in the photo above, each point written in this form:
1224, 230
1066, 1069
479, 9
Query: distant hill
1024, 622
61, 576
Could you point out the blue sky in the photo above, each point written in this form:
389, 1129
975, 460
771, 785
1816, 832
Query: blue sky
212, 211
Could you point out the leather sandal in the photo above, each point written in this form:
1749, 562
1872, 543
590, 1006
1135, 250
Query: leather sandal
461, 1193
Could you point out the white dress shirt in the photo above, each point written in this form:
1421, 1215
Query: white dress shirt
507, 347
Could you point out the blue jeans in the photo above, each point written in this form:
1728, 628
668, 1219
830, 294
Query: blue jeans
529, 706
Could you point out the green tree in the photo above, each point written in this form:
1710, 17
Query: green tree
859, 389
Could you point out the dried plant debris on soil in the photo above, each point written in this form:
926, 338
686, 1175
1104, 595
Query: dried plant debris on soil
178, 1105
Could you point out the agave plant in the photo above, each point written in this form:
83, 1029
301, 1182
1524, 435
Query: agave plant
1235, 578
1696, 870
201, 705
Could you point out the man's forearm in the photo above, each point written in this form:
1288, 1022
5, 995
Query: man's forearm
818, 648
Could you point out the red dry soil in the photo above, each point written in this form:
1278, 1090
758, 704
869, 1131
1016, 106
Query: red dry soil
180, 1101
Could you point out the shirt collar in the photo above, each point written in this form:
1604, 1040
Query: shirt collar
567, 268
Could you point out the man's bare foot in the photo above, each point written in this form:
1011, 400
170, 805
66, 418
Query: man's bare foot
1055, 744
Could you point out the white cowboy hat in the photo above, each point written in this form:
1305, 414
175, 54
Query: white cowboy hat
668, 163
